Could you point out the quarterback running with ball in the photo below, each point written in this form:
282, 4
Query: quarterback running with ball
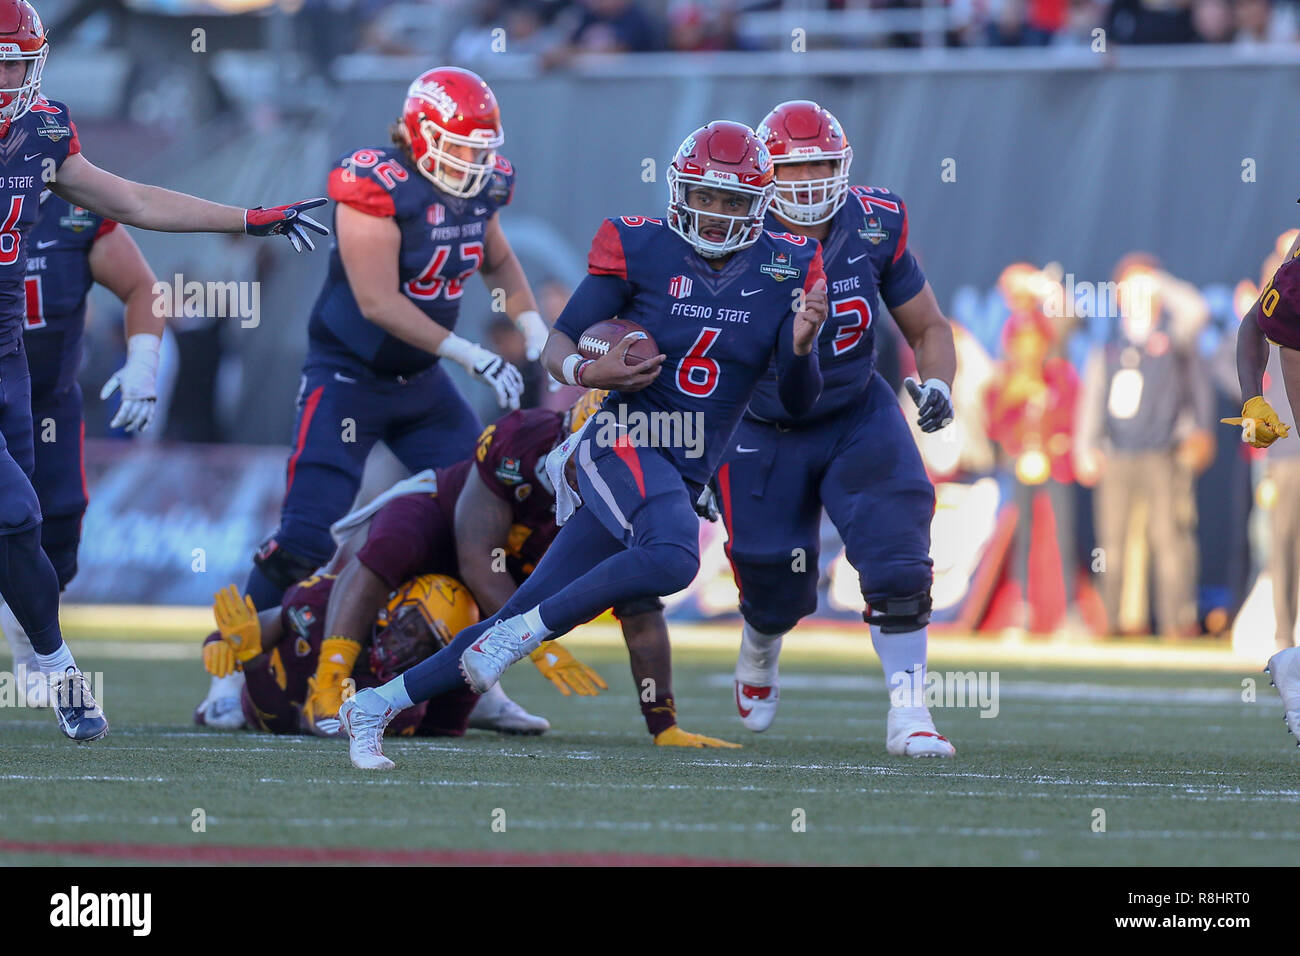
851, 453
40, 149
720, 296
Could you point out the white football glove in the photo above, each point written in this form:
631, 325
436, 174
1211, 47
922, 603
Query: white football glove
486, 366
138, 381
536, 332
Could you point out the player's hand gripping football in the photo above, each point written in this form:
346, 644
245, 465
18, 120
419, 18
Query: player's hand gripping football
236, 618
933, 403
1260, 426
286, 221
809, 318
611, 370
674, 736
566, 672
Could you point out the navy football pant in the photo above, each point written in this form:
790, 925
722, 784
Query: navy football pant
60, 476
863, 466
636, 534
341, 414
28, 582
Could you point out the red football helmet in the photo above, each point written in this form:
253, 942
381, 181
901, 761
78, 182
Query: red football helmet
800, 131
451, 107
728, 158
22, 37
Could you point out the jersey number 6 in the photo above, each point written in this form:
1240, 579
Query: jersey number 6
697, 375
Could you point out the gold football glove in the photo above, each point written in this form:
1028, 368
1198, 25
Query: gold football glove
674, 736
1259, 424
237, 621
566, 672
219, 657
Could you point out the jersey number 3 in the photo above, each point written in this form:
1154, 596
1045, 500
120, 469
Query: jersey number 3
856, 313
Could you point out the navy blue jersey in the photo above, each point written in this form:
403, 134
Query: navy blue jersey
718, 329
58, 281
867, 260
442, 246
31, 152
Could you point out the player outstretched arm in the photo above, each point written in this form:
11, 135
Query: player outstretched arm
370, 248
501, 270
483, 529
162, 210
117, 264
927, 331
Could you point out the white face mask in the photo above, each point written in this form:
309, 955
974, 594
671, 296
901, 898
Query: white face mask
741, 230
810, 202
17, 100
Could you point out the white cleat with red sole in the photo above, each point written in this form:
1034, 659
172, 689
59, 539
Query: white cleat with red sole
756, 705
912, 733
1284, 669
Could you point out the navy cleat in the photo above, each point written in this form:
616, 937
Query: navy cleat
80, 717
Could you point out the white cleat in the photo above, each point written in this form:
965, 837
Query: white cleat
911, 733
1284, 668
757, 705
364, 717
222, 708
496, 711
503, 643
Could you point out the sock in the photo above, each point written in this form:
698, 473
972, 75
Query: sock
30, 586
24, 655
533, 622
899, 655
394, 693
659, 713
758, 655
58, 662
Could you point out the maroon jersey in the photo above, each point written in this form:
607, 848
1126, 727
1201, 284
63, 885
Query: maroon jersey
1279, 306
416, 534
511, 461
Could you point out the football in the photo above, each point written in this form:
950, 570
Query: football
603, 336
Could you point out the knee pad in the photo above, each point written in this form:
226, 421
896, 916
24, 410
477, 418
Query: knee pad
641, 605
900, 615
773, 597
283, 568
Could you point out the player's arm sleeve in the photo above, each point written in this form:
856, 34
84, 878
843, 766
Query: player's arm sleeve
902, 278
799, 377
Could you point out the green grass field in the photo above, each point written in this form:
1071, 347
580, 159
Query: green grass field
1185, 771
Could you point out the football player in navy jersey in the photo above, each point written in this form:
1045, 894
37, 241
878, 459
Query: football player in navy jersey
720, 296
415, 221
851, 452
39, 149
72, 249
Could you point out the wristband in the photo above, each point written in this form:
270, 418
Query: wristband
582, 367
568, 371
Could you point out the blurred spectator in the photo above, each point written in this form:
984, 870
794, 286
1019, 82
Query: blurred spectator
506, 340
605, 26
1031, 411
1150, 21
1143, 437
1213, 21
695, 26
525, 24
